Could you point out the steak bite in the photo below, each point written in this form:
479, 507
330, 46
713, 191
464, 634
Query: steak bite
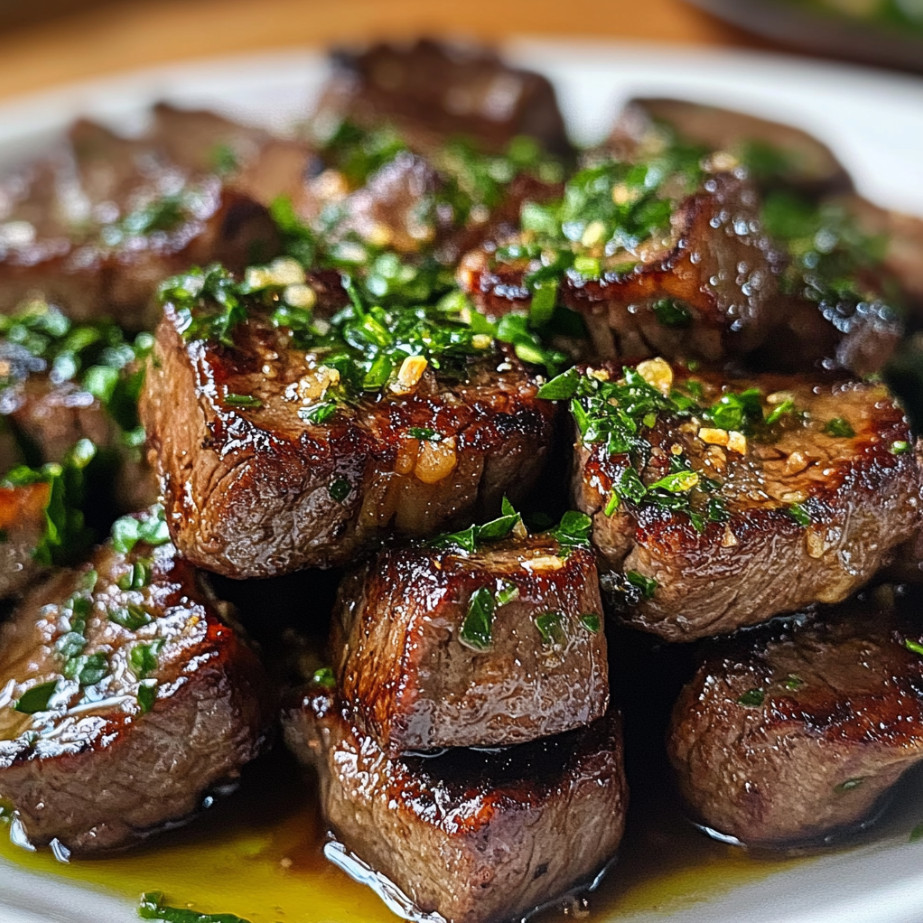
62, 382
433, 92
115, 271
284, 441
447, 647
121, 680
42, 519
719, 503
663, 257
792, 734
775, 154
472, 836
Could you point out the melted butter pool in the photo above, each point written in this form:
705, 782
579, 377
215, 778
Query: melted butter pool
258, 854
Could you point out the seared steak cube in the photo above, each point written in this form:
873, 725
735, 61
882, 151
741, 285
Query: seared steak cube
125, 698
291, 445
721, 502
61, 382
454, 648
775, 154
793, 735
22, 526
433, 93
662, 257
471, 836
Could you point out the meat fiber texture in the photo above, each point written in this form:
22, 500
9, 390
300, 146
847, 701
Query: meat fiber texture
473, 837
793, 735
415, 680
122, 709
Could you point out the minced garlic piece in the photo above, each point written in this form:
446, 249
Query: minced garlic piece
593, 234
545, 562
410, 373
657, 373
300, 296
737, 442
714, 436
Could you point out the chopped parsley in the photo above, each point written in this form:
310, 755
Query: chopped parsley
150, 529
36, 699
153, 907
915, 646
477, 628
96, 356
474, 536
799, 513
646, 585
324, 678
147, 695
591, 622
66, 535
550, 626
339, 489
752, 698
143, 657
246, 401
840, 428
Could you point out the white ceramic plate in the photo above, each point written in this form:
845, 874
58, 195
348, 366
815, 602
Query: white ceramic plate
874, 122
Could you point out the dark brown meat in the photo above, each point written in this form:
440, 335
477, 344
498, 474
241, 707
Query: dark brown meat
254, 490
22, 525
119, 279
471, 836
776, 154
801, 510
121, 709
419, 672
706, 289
433, 93
793, 735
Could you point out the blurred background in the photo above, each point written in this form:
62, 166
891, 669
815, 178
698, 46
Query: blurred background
48, 42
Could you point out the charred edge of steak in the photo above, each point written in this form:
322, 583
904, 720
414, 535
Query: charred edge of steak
792, 736
123, 707
449, 649
256, 490
419, 88
789, 514
472, 836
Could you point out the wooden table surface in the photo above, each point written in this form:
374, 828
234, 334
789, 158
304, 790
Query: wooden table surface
93, 39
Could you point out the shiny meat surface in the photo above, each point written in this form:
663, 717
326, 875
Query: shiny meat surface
703, 288
793, 735
253, 488
800, 510
433, 92
471, 836
124, 698
420, 670
776, 154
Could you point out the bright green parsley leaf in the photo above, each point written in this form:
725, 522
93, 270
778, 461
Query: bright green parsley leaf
839, 427
647, 585
153, 907
143, 658
591, 622
550, 626
36, 699
752, 698
147, 695
130, 530
477, 627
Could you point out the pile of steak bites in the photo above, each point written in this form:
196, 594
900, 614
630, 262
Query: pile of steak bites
532, 403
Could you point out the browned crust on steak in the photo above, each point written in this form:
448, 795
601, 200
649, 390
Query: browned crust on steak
863, 500
248, 491
89, 280
96, 778
717, 263
835, 717
475, 837
413, 684
435, 92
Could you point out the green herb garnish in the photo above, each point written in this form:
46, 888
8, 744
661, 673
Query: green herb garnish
36, 699
550, 626
839, 427
153, 907
752, 698
477, 628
